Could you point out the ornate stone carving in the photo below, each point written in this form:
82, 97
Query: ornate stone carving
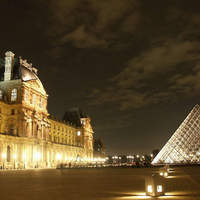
27, 65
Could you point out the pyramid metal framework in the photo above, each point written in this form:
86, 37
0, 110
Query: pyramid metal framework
184, 145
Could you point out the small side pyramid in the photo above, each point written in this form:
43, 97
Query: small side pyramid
184, 145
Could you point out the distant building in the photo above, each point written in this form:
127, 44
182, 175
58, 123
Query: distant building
28, 136
99, 149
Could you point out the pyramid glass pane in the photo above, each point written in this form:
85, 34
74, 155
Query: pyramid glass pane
184, 144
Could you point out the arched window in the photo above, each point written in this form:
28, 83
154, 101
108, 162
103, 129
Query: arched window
1, 94
14, 94
8, 153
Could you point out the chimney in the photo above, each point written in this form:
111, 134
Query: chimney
9, 60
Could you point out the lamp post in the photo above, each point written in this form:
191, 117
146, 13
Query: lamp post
37, 156
138, 158
58, 158
14, 156
3, 155
120, 161
24, 160
151, 157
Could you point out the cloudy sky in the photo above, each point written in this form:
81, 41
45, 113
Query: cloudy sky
133, 66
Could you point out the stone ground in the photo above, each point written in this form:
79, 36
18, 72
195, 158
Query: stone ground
88, 184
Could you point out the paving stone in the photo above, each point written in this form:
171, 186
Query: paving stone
88, 184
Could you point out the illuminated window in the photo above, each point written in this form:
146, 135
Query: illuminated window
1, 94
149, 188
33, 99
78, 133
25, 95
159, 188
14, 95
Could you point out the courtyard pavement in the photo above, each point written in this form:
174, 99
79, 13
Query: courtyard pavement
92, 183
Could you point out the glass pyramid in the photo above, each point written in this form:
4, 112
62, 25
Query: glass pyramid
184, 145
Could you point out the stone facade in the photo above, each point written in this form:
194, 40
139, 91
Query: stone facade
28, 136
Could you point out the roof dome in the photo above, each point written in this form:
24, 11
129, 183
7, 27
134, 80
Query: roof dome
21, 70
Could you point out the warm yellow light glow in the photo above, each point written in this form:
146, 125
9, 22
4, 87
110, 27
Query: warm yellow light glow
37, 155
138, 156
149, 188
161, 173
14, 156
66, 158
24, 156
135, 197
165, 174
159, 188
3, 155
59, 156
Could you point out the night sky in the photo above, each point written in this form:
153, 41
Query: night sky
132, 66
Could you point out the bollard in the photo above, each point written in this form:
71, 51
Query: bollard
163, 172
154, 185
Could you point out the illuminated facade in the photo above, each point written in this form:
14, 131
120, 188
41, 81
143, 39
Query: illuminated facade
184, 145
28, 136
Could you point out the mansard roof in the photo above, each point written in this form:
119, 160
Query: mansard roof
73, 115
21, 70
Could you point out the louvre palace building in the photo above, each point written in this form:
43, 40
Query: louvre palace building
29, 137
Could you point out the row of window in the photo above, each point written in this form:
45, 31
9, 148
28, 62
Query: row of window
14, 97
33, 101
73, 133
66, 130
13, 94
61, 140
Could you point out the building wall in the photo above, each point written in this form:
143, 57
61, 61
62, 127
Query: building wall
28, 137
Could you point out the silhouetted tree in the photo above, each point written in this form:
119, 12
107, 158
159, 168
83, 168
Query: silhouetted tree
155, 152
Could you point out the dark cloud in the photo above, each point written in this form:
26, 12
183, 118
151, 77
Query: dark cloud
89, 23
156, 74
131, 65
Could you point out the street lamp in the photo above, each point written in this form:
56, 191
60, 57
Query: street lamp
14, 156
59, 156
3, 155
24, 156
37, 156
151, 157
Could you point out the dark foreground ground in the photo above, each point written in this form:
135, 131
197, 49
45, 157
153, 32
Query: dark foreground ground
103, 183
